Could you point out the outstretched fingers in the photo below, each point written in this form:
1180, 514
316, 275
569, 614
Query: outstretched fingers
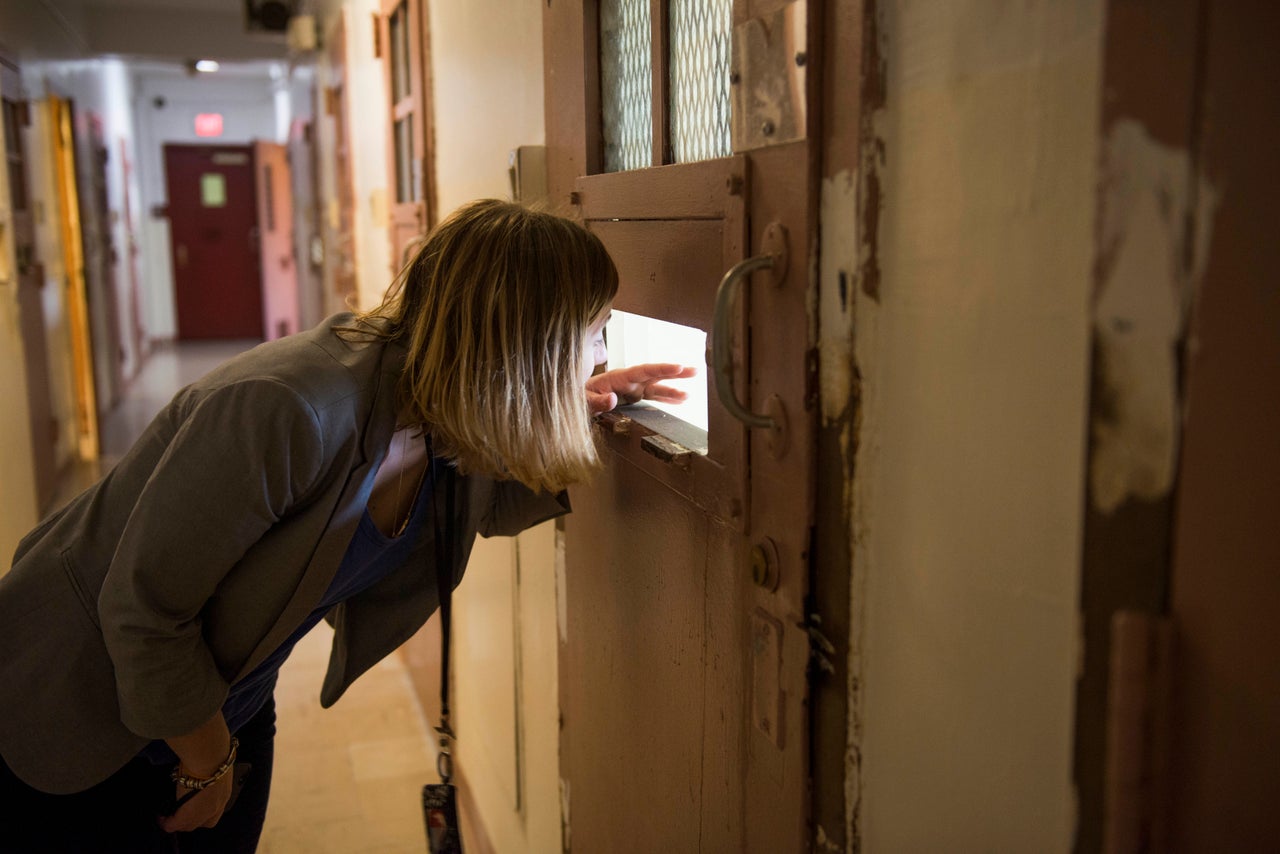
665, 394
648, 373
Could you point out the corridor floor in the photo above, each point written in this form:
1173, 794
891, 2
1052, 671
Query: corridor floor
347, 779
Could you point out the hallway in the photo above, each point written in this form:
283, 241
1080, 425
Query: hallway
970, 548
347, 779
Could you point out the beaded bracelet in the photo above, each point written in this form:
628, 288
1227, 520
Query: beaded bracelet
187, 781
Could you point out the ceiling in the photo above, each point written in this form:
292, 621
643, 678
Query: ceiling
172, 30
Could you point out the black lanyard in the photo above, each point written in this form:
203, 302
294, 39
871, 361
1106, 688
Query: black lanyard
444, 581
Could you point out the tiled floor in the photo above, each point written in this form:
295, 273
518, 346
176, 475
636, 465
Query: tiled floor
347, 779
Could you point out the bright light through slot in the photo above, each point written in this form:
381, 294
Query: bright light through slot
635, 339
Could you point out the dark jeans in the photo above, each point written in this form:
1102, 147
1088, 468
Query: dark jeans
119, 814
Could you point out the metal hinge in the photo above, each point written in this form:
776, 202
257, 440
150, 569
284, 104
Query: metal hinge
821, 649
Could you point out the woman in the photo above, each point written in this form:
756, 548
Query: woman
142, 626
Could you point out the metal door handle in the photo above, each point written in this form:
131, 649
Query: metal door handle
774, 259
721, 355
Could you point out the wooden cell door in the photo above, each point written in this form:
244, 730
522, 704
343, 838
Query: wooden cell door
100, 260
404, 46
59, 114
29, 278
685, 644
213, 225
1225, 578
275, 240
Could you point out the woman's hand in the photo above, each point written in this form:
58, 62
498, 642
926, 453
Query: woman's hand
634, 384
201, 752
203, 809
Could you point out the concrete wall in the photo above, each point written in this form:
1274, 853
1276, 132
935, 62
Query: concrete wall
487, 76
487, 63
367, 125
973, 353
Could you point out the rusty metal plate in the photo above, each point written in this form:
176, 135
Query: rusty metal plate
766, 674
767, 79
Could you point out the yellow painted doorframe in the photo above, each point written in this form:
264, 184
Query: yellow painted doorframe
59, 116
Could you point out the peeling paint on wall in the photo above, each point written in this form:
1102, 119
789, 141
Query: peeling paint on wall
565, 837
837, 266
1141, 305
562, 602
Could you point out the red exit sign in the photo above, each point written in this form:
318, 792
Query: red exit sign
209, 124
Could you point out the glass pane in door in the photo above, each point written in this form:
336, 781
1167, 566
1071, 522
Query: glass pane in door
400, 77
404, 160
700, 31
626, 84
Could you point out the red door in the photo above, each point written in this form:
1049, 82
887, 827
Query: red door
213, 225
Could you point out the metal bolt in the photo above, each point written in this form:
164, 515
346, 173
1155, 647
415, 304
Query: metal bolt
802, 58
763, 559
767, 128
735, 78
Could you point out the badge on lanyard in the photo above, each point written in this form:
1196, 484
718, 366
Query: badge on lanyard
439, 800
440, 809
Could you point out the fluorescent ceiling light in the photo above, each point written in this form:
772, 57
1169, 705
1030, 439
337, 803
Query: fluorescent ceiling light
206, 65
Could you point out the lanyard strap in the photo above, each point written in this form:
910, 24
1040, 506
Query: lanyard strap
444, 581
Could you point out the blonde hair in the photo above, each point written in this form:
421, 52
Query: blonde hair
494, 311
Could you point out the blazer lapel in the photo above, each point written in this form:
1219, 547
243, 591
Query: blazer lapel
347, 513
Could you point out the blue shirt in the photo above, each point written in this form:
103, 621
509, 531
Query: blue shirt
370, 557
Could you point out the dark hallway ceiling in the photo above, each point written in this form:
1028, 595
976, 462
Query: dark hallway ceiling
177, 30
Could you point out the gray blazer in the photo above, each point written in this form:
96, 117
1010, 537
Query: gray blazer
127, 615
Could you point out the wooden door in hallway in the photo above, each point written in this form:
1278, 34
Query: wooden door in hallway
405, 46
684, 640
1225, 579
213, 226
58, 114
100, 260
1176, 744
29, 279
275, 240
